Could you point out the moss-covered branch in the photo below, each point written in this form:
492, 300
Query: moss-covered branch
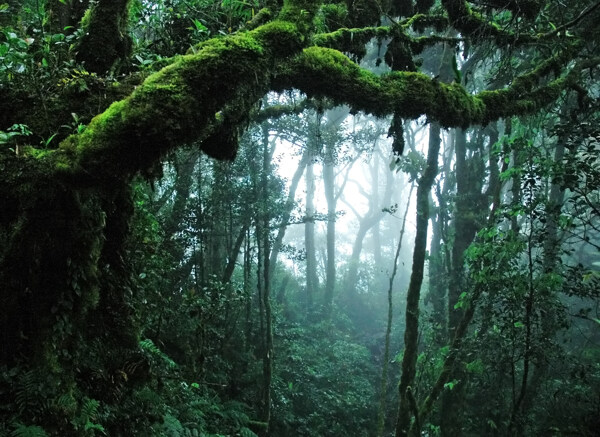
214, 89
326, 72
471, 23
354, 40
182, 103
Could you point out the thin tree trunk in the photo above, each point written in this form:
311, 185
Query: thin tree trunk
268, 353
233, 256
409, 361
366, 223
388, 330
312, 280
551, 258
469, 180
439, 260
285, 218
329, 185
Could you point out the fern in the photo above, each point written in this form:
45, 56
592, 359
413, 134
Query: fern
27, 390
89, 409
28, 431
66, 404
87, 415
172, 426
149, 347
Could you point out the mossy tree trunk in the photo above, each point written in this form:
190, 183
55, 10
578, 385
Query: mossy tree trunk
465, 226
65, 13
106, 38
407, 408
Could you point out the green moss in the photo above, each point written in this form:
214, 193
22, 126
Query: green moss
327, 73
300, 12
331, 17
282, 38
85, 20
177, 104
105, 40
259, 19
352, 41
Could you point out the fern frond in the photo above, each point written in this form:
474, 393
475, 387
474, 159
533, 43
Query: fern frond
89, 410
149, 347
28, 431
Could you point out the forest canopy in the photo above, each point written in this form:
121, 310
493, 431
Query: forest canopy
179, 179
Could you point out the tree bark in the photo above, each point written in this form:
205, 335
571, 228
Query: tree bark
329, 186
388, 330
312, 279
409, 360
287, 212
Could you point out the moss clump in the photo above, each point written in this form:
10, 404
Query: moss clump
331, 17
259, 19
299, 12
352, 41
105, 39
281, 38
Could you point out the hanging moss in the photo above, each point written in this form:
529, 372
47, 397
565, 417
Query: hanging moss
524, 8
361, 13
399, 55
473, 24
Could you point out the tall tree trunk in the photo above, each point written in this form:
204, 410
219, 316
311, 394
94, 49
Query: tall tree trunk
437, 281
376, 231
234, 253
329, 186
465, 228
287, 212
365, 224
388, 330
265, 216
312, 280
459, 334
439, 257
407, 404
